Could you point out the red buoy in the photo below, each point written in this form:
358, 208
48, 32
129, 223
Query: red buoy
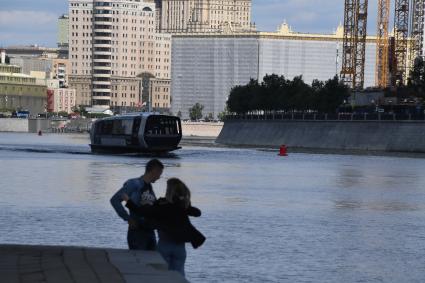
283, 150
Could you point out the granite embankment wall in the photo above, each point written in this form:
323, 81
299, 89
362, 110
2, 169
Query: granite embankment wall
24, 125
13, 125
201, 129
398, 136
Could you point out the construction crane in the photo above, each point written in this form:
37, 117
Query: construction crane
354, 43
382, 44
401, 30
417, 32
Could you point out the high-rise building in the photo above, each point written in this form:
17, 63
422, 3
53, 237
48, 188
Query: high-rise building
203, 15
62, 40
112, 47
63, 23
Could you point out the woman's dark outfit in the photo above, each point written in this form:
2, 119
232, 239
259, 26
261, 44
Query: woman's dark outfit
174, 229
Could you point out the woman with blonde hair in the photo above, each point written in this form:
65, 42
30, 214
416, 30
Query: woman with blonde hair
171, 218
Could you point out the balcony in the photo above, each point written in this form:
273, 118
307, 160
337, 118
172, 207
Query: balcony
105, 53
103, 30
99, 60
101, 75
103, 38
106, 68
102, 45
102, 90
105, 83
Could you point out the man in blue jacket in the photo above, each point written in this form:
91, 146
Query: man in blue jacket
141, 235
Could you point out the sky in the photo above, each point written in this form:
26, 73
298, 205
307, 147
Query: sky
24, 22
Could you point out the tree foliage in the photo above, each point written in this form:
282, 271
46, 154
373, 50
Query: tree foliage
195, 112
416, 81
276, 93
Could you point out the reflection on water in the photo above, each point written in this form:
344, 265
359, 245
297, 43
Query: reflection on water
303, 218
391, 206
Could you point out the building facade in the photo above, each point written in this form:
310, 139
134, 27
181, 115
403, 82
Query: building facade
62, 37
112, 46
205, 67
160, 86
61, 100
32, 64
203, 15
160, 90
20, 91
31, 51
63, 25
61, 69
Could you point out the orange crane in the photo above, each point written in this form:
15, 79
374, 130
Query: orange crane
382, 45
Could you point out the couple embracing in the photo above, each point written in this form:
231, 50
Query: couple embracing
168, 215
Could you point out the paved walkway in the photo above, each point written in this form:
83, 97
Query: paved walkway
82, 265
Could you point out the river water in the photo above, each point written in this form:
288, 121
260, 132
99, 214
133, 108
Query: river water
301, 218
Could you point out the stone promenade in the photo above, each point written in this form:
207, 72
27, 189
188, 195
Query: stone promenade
82, 265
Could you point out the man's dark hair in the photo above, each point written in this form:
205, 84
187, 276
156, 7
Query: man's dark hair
154, 164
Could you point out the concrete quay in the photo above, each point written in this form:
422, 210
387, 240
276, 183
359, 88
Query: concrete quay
380, 136
56, 264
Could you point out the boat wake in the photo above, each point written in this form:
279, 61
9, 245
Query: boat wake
46, 149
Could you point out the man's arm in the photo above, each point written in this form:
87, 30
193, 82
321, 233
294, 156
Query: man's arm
116, 201
143, 210
193, 211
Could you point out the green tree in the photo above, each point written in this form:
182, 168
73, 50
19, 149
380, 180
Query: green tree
277, 93
331, 95
195, 113
209, 117
243, 99
63, 113
416, 81
80, 109
222, 115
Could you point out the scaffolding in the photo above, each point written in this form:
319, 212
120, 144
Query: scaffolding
401, 33
354, 45
417, 30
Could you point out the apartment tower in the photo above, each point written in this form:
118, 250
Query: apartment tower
112, 47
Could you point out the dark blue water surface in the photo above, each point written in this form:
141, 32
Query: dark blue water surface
302, 218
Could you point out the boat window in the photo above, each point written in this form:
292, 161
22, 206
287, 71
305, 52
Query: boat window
161, 125
136, 125
122, 127
106, 127
115, 127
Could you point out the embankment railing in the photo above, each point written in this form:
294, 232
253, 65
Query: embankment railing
329, 117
